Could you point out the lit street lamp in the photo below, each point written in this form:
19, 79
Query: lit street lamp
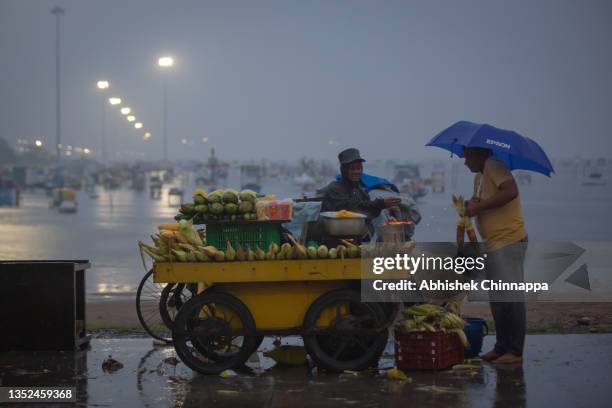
137, 125
165, 62
131, 118
102, 84
38, 143
114, 100
147, 136
125, 110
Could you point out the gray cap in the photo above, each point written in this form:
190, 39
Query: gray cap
349, 155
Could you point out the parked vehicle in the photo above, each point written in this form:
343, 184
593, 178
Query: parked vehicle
408, 180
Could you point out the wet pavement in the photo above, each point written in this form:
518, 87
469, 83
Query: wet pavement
559, 371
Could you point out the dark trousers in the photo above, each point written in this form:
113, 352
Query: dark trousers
508, 308
510, 325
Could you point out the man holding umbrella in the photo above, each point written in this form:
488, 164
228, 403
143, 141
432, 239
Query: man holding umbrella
499, 220
492, 153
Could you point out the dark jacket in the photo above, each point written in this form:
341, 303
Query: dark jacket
344, 195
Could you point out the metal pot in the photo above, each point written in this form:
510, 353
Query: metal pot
343, 227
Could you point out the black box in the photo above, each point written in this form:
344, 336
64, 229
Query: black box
42, 305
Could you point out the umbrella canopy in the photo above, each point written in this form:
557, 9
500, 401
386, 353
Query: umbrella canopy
518, 152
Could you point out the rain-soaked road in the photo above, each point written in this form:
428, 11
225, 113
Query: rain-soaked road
106, 230
559, 371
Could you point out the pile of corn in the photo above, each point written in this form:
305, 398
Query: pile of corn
181, 242
432, 318
347, 214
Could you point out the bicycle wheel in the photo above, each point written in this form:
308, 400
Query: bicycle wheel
147, 308
173, 297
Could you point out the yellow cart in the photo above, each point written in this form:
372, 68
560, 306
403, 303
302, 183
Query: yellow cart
240, 302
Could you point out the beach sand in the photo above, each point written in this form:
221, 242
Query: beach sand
541, 317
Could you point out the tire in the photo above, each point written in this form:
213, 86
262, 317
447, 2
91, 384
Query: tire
336, 351
184, 292
147, 308
200, 332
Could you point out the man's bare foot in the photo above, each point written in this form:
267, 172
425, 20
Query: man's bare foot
509, 358
490, 356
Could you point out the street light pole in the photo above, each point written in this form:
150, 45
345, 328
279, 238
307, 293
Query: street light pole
57, 12
165, 63
104, 155
114, 101
102, 86
165, 118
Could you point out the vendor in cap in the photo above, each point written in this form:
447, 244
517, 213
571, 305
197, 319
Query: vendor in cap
347, 194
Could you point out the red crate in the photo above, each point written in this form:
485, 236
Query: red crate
427, 350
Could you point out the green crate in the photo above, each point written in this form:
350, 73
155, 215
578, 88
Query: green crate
247, 234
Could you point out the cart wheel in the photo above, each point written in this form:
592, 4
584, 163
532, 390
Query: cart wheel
173, 297
348, 342
147, 308
205, 332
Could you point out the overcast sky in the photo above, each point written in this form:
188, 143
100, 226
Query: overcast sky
279, 79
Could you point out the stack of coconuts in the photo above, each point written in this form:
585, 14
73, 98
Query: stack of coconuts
221, 204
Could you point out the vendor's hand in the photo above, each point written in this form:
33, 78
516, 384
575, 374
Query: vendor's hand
392, 202
472, 208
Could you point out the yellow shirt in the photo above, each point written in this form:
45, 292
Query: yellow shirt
503, 225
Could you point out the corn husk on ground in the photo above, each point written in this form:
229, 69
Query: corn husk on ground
432, 318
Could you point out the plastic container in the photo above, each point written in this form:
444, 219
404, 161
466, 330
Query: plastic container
268, 210
427, 350
248, 234
475, 329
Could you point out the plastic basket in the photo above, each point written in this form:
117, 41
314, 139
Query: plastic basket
427, 350
248, 234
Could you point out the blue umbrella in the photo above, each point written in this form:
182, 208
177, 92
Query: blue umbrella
518, 152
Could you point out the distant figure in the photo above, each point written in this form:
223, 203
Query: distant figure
347, 193
499, 220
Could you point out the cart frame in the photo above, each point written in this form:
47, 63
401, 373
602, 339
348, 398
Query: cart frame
280, 294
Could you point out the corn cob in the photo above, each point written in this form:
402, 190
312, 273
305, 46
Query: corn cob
460, 235
471, 234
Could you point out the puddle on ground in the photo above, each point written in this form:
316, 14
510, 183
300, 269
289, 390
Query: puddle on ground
153, 377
